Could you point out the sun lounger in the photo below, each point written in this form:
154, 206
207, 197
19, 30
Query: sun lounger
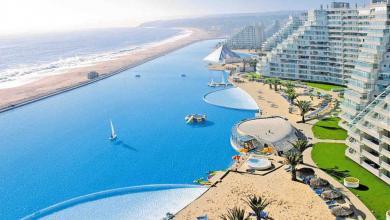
203, 217
330, 202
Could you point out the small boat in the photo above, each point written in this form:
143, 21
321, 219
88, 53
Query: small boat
183, 75
113, 135
212, 83
195, 118
138, 75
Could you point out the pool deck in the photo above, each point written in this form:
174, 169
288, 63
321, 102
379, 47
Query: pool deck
290, 200
275, 186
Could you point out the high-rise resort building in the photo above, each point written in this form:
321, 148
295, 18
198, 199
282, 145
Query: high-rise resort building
345, 45
291, 25
250, 37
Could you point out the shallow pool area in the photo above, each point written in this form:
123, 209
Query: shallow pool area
58, 148
259, 163
234, 98
145, 202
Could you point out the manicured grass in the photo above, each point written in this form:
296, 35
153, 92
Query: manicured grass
327, 87
374, 193
328, 128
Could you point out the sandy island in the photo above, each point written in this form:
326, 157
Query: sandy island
72, 78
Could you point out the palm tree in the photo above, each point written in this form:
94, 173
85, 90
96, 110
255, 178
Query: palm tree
276, 82
289, 85
293, 158
235, 214
269, 82
257, 204
291, 94
244, 63
304, 106
300, 145
253, 63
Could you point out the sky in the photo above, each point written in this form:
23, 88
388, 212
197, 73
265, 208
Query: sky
29, 16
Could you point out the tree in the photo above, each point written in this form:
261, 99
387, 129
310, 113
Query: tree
269, 82
291, 94
300, 145
293, 158
276, 82
304, 106
257, 204
253, 63
244, 63
289, 85
235, 214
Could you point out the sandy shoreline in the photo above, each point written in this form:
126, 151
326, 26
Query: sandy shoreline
77, 77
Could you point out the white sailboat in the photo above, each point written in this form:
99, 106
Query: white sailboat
113, 134
212, 83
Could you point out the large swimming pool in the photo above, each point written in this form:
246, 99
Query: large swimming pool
58, 148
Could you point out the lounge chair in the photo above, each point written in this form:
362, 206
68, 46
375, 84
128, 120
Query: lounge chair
202, 217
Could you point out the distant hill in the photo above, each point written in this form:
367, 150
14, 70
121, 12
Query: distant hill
224, 24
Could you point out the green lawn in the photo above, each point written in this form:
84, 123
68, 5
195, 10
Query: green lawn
327, 87
376, 193
328, 128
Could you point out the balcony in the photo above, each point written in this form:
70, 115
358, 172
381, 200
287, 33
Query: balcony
370, 168
355, 135
349, 109
371, 144
385, 152
385, 178
382, 110
382, 123
353, 155
345, 117
385, 165
368, 130
370, 156
385, 139
354, 145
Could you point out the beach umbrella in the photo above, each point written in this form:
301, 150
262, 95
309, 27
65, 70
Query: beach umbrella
331, 194
305, 171
318, 182
341, 211
236, 157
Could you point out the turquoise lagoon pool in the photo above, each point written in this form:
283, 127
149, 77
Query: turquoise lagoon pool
58, 148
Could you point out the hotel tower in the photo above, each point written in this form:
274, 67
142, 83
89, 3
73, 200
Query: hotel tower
345, 45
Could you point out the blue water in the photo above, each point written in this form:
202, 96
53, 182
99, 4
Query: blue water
58, 148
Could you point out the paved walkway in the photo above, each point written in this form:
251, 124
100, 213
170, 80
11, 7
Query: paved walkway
364, 212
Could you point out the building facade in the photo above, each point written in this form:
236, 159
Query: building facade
345, 45
250, 37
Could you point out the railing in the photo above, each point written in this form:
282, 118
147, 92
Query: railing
368, 108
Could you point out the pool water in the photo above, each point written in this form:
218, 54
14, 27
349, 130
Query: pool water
235, 98
58, 148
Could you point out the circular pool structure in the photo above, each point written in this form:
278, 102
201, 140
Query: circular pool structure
258, 163
234, 98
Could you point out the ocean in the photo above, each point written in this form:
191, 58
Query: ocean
24, 58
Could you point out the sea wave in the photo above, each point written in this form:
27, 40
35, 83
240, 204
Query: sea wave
23, 74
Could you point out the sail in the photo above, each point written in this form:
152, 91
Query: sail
113, 135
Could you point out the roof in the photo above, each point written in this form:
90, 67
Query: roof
220, 55
273, 130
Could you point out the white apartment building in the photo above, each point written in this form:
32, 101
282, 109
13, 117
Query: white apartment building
291, 25
346, 45
250, 37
